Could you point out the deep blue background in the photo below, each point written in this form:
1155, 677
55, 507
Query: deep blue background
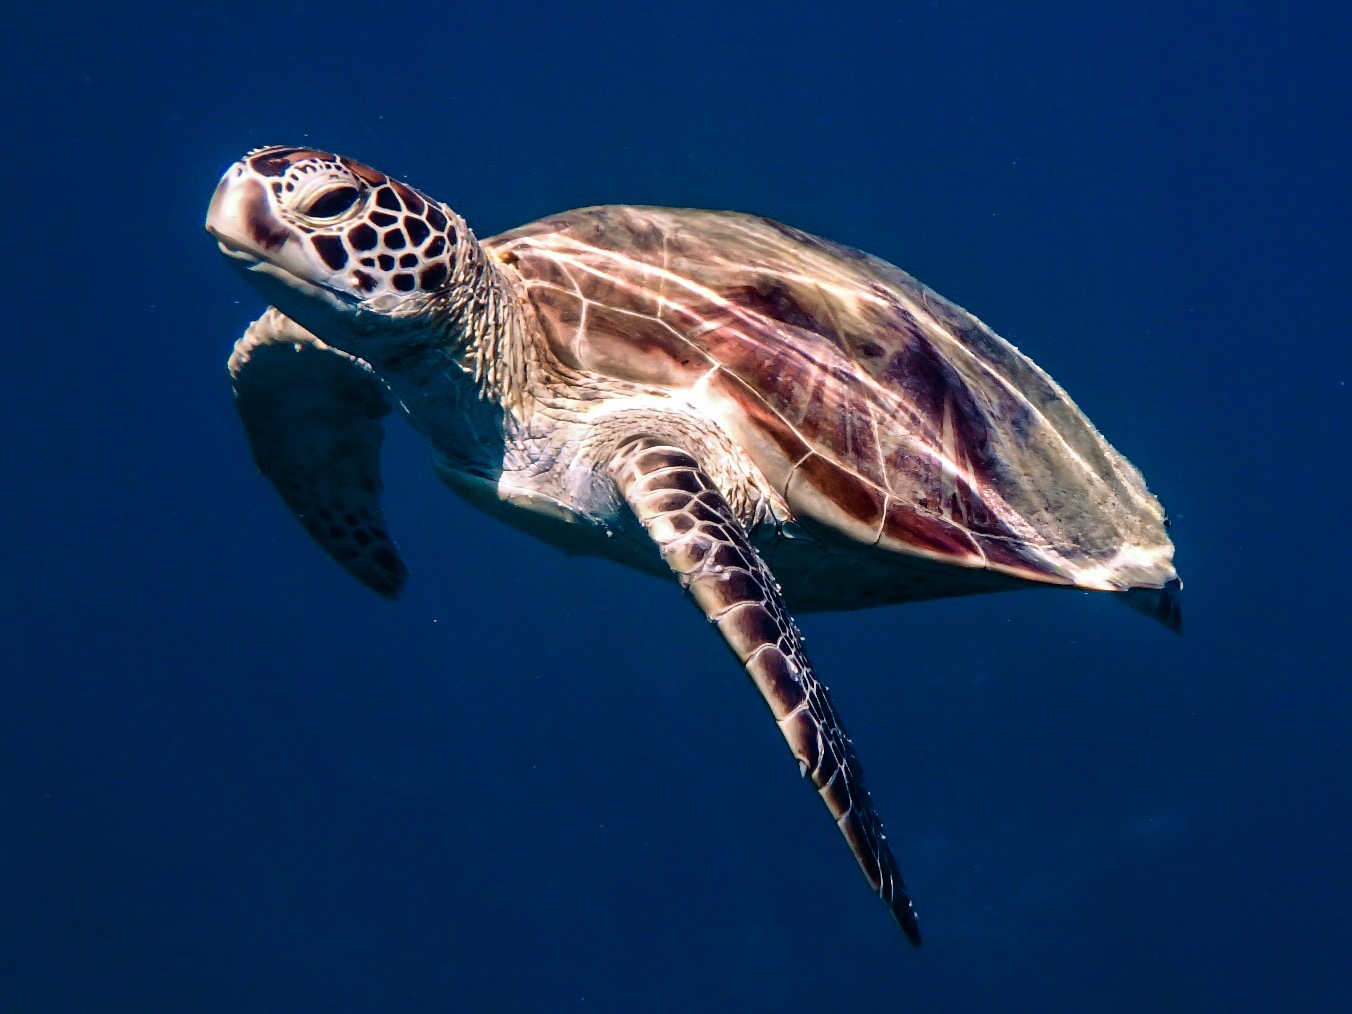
233, 780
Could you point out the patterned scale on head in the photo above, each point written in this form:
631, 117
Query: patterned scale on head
342, 225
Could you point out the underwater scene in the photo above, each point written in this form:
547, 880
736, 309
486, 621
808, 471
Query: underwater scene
379, 377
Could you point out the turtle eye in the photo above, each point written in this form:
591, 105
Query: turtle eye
331, 203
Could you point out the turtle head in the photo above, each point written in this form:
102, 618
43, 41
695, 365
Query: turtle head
328, 240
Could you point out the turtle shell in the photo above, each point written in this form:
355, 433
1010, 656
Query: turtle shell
878, 410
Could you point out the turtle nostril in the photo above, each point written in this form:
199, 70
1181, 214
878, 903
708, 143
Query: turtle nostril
332, 203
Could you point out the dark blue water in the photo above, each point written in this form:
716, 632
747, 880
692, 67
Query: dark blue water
233, 780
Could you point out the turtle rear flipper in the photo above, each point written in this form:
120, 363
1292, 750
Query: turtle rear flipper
1163, 604
313, 418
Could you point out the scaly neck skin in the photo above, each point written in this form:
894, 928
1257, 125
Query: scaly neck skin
457, 361
485, 320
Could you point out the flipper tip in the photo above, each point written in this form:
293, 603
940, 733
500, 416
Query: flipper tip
905, 915
1164, 605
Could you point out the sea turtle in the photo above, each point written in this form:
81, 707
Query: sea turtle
779, 421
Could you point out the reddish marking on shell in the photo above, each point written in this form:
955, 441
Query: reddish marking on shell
634, 289
774, 446
814, 396
561, 314
542, 273
859, 502
648, 348
934, 388
773, 299
1010, 554
611, 341
907, 528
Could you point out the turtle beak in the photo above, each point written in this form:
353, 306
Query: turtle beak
262, 246
241, 220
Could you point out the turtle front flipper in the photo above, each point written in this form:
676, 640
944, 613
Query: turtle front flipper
313, 417
707, 547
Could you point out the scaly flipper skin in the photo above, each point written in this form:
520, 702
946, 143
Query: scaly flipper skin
706, 546
312, 414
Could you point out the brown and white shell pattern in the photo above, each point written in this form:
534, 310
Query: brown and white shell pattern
874, 406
